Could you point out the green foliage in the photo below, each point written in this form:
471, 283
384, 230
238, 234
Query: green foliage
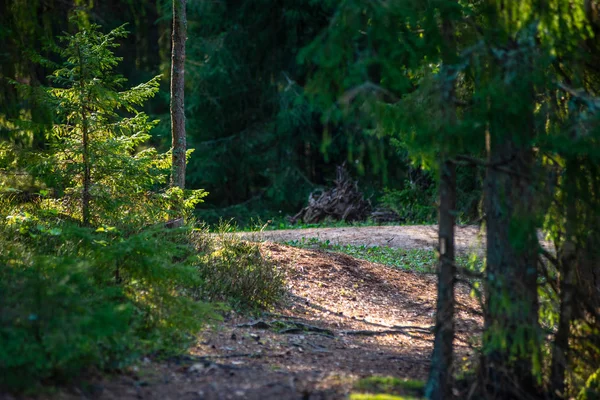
80, 293
238, 272
591, 391
92, 136
414, 205
57, 320
485, 86
390, 385
261, 145
74, 297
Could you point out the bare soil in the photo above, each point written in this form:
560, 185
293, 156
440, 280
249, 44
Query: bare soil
342, 319
405, 237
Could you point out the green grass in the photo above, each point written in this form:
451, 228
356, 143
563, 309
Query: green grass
278, 223
414, 260
387, 388
417, 260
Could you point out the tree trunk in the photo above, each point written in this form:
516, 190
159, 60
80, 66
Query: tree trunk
178, 139
567, 286
87, 176
439, 383
179, 37
85, 139
511, 337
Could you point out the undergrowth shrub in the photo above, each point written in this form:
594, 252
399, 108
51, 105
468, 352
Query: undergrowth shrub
238, 272
413, 204
72, 298
55, 320
591, 390
416, 202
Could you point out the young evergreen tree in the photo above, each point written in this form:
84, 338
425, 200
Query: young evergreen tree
93, 158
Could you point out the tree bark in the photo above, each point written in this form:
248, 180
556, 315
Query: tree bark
439, 383
179, 37
85, 139
568, 266
511, 337
87, 176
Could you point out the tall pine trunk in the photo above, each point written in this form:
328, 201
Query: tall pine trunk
511, 337
439, 383
568, 266
179, 37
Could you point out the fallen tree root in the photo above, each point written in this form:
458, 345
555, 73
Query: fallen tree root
343, 202
294, 327
394, 331
290, 327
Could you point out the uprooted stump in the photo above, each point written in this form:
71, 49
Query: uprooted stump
343, 202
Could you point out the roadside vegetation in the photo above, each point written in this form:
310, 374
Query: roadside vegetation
91, 274
415, 260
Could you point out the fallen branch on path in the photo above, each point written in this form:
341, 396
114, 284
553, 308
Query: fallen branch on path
394, 331
291, 327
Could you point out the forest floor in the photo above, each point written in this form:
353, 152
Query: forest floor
343, 319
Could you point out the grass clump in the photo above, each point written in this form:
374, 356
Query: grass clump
387, 388
237, 271
417, 260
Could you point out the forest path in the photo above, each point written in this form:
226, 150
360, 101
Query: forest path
403, 237
342, 319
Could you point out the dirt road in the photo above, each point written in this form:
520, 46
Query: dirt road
406, 237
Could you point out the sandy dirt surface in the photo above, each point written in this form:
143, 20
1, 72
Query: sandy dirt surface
342, 319
405, 237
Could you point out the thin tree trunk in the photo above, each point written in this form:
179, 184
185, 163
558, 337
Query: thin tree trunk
567, 287
87, 176
179, 37
178, 139
439, 383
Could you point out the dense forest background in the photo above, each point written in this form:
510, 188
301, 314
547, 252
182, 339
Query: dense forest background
468, 111
261, 146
